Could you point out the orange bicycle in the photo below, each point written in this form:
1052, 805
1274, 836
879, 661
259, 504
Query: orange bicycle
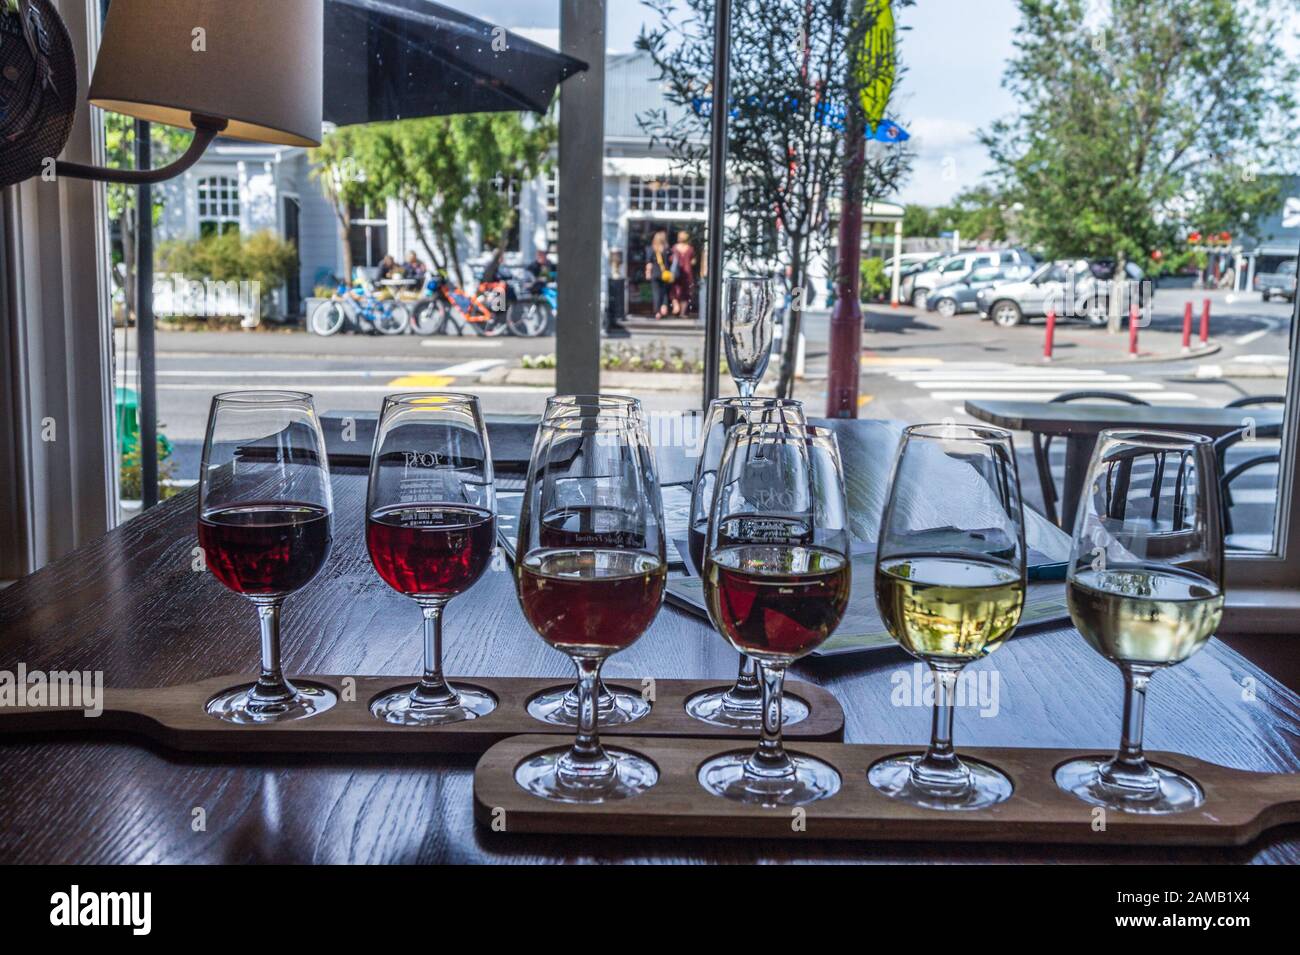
445, 307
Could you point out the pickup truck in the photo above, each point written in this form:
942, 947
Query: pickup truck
1280, 283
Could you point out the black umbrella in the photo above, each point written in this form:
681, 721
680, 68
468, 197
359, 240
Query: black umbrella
395, 59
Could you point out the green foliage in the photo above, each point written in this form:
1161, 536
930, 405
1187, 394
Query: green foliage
875, 283
981, 213
1145, 122
444, 170
651, 357
131, 475
230, 257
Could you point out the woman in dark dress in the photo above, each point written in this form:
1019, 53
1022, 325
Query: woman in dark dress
658, 272
684, 272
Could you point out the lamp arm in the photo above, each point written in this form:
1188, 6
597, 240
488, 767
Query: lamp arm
206, 129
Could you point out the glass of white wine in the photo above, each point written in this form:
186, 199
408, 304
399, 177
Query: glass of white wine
950, 586
1145, 589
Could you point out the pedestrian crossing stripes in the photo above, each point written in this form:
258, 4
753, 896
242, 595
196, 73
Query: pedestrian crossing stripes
1002, 381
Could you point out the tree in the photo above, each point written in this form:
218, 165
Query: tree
168, 143
444, 171
1143, 120
790, 81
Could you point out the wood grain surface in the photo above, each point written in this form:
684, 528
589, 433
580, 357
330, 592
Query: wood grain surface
1238, 805
133, 606
175, 716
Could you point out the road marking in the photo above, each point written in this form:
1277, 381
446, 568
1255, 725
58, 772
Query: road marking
476, 367
421, 381
864, 400
1252, 336
1047, 395
444, 341
1054, 386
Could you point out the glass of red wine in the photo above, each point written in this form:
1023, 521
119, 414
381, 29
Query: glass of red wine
431, 532
265, 511
590, 574
618, 706
776, 584
739, 705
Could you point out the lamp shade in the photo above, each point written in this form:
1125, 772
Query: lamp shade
255, 63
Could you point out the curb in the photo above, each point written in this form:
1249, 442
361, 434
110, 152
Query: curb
1212, 348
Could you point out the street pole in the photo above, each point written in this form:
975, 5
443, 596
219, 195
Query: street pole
147, 413
846, 321
717, 199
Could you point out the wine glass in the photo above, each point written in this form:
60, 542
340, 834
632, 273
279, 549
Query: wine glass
747, 330
740, 705
950, 586
559, 707
776, 584
265, 510
431, 531
1145, 589
590, 576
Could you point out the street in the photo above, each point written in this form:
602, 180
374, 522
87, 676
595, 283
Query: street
916, 366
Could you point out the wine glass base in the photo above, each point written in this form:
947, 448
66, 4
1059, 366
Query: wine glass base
811, 780
1177, 792
633, 775
892, 777
237, 705
397, 706
711, 707
558, 707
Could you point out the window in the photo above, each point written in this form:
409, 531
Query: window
218, 205
668, 194
368, 236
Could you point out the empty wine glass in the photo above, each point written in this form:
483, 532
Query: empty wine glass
740, 705
950, 587
1145, 589
265, 509
747, 330
618, 706
431, 532
776, 583
590, 577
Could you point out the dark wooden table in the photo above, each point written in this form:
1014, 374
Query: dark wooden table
131, 605
1079, 423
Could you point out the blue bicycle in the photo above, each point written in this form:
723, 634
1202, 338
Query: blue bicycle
361, 311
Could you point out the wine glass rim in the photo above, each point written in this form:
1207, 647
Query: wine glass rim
270, 396
418, 397
754, 401
939, 431
594, 398
749, 278
1160, 439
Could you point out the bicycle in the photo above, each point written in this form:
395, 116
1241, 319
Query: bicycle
360, 310
486, 312
532, 315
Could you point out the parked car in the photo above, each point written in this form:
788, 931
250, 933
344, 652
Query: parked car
1073, 288
1279, 284
908, 262
959, 296
955, 266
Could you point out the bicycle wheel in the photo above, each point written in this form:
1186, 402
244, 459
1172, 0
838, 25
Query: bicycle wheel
529, 319
493, 327
392, 321
327, 319
429, 317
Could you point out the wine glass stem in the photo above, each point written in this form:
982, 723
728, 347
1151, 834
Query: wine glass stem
432, 690
1129, 769
746, 387
586, 763
939, 767
770, 759
747, 692
271, 686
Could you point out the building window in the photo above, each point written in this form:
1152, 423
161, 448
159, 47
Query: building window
218, 205
668, 194
553, 209
368, 235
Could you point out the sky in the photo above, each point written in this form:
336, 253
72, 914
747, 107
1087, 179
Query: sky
953, 51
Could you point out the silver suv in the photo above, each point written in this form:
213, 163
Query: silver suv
1072, 288
957, 266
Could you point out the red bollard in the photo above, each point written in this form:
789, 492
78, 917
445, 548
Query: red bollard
1051, 333
1187, 327
1132, 331
1205, 321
